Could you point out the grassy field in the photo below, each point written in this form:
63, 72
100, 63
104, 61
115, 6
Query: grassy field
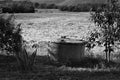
44, 27
48, 27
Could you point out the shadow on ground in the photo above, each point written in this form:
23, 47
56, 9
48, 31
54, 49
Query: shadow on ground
46, 70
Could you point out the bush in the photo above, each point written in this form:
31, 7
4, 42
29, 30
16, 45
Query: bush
25, 60
19, 7
10, 37
11, 41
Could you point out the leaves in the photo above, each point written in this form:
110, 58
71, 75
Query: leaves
108, 19
10, 37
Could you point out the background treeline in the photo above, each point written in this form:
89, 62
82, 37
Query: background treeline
29, 7
45, 6
18, 7
81, 7
71, 8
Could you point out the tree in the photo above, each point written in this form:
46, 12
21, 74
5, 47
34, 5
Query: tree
107, 18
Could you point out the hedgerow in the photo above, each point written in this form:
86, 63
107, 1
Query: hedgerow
18, 7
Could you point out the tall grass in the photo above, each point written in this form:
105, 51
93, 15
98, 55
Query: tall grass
25, 60
70, 8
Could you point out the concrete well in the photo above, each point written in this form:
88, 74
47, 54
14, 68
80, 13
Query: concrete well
69, 50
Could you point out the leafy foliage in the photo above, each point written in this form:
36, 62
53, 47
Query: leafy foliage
107, 18
81, 7
11, 41
26, 61
70, 8
10, 35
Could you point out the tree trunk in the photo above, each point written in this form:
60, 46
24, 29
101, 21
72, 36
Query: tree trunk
109, 56
106, 56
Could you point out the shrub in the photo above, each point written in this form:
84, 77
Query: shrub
25, 60
11, 41
10, 37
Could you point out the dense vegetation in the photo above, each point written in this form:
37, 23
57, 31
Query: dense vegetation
10, 38
108, 21
29, 7
12, 43
72, 8
81, 7
45, 6
18, 7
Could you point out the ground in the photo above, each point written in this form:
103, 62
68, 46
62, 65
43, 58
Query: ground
45, 71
